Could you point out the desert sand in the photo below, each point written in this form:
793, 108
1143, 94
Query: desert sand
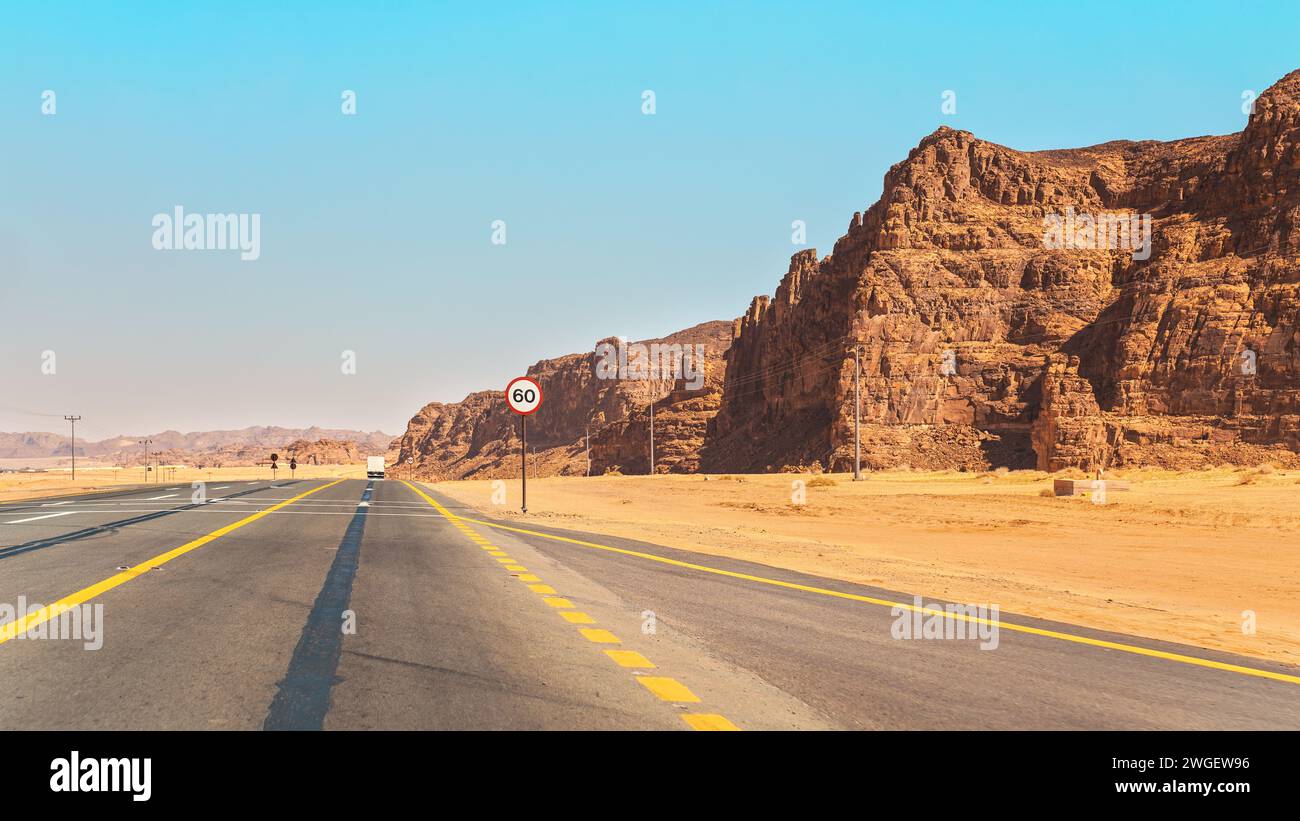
1179, 557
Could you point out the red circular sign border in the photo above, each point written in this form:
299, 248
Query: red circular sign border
531, 381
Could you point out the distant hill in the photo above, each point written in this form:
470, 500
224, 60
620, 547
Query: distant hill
228, 446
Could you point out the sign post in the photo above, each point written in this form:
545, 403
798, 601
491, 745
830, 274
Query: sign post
524, 396
275, 457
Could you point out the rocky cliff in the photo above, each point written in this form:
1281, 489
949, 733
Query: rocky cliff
479, 436
1125, 303
985, 342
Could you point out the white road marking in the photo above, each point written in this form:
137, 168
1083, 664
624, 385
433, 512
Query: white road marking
223, 487
168, 496
38, 518
55, 504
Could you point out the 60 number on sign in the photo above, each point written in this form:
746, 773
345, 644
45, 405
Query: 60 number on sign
524, 395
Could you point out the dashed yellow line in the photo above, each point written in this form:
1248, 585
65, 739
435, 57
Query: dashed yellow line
630, 658
666, 689
27, 622
705, 721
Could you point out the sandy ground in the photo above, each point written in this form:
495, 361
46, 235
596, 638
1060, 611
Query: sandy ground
1178, 557
17, 486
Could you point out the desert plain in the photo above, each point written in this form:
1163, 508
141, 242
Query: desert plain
1209, 559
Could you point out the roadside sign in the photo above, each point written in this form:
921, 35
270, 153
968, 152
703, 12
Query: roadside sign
524, 395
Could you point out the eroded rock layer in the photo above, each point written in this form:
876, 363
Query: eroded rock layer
1126, 303
479, 437
982, 345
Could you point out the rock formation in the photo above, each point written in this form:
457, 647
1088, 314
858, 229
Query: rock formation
1125, 303
1185, 356
479, 436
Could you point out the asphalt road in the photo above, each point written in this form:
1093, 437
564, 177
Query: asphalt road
359, 605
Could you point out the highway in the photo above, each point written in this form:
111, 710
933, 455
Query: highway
381, 604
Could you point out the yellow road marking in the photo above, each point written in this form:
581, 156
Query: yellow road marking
630, 658
704, 721
1018, 628
505, 560
27, 622
668, 689
528, 577
544, 589
517, 568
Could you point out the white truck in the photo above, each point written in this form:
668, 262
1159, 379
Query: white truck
374, 467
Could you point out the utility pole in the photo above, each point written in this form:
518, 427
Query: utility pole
74, 420
857, 413
146, 443
652, 436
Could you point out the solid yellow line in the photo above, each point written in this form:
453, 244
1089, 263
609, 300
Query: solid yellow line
1019, 628
704, 721
27, 622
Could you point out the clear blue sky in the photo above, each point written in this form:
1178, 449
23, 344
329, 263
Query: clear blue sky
376, 228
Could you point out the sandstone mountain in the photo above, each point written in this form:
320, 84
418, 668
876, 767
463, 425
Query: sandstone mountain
1060, 357
479, 436
984, 341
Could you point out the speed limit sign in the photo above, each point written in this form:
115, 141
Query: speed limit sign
524, 395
